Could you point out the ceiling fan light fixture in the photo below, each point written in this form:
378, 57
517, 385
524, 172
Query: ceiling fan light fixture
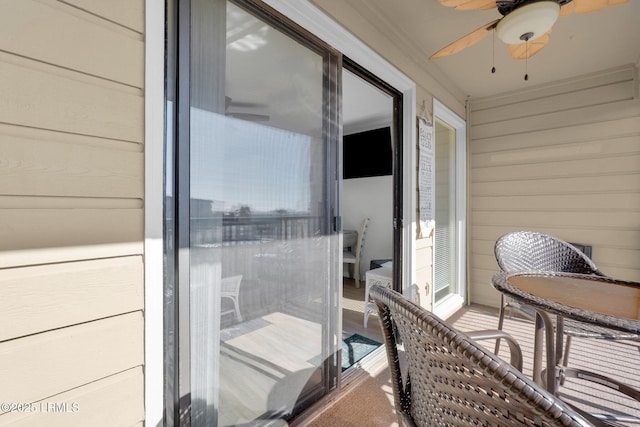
528, 22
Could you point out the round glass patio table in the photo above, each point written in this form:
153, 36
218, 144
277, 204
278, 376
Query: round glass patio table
602, 301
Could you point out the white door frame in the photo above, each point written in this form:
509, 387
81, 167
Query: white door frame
153, 213
455, 301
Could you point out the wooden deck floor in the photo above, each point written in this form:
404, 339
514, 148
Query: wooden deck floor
619, 360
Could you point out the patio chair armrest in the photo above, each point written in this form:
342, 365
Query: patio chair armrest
602, 380
514, 347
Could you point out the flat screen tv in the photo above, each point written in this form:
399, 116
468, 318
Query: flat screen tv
367, 154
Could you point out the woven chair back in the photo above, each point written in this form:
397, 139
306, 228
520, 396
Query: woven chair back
533, 251
450, 380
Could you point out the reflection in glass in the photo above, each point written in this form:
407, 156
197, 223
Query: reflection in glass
260, 236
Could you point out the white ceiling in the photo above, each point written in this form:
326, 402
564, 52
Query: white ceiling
580, 43
364, 106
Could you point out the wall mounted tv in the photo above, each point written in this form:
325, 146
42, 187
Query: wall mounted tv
367, 154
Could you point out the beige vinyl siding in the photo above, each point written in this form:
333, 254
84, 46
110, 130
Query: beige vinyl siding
562, 159
71, 211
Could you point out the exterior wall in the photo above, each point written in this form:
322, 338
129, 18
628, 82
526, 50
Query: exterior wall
562, 159
71, 211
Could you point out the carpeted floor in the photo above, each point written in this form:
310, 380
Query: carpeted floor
354, 409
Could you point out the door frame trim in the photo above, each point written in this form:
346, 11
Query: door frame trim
397, 150
455, 301
154, 51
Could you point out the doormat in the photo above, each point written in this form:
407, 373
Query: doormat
354, 348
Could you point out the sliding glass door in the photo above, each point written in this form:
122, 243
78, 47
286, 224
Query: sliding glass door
256, 337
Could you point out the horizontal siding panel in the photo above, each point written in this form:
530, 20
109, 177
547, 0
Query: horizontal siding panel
26, 233
561, 185
629, 164
604, 220
482, 292
610, 147
490, 232
621, 272
576, 202
46, 297
40, 366
618, 91
33, 256
578, 116
129, 13
615, 75
485, 261
486, 298
45, 202
598, 132
38, 228
482, 276
36, 98
596, 237
481, 247
67, 40
114, 401
40, 167
38, 134
619, 257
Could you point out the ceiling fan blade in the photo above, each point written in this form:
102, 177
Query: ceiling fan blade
477, 5
452, 3
466, 41
588, 6
567, 8
522, 51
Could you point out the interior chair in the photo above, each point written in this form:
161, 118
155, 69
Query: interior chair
534, 251
231, 291
352, 258
451, 380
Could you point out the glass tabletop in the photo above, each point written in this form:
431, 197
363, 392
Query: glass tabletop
600, 300
605, 297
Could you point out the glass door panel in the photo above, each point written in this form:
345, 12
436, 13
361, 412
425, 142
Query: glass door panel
445, 210
263, 253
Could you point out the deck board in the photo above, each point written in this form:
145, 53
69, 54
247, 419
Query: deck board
616, 359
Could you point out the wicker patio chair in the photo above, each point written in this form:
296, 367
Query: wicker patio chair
453, 381
533, 251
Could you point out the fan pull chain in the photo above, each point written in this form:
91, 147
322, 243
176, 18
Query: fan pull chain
493, 54
526, 61
526, 37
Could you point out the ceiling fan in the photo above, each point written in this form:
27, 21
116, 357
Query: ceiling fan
525, 25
